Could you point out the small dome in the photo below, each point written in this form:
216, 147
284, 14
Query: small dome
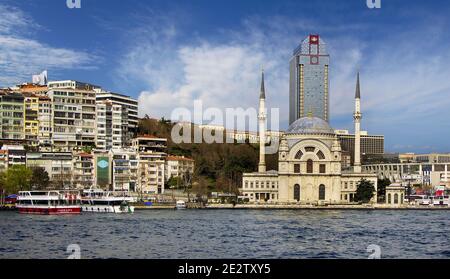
310, 125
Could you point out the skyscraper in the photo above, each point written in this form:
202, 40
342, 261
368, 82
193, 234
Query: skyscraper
309, 82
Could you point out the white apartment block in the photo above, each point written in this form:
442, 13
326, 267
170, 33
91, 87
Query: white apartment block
112, 125
127, 102
45, 123
83, 171
151, 172
73, 119
124, 169
59, 166
71, 84
178, 166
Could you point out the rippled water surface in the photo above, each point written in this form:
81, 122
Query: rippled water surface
228, 234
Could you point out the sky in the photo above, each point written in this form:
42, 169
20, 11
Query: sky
168, 54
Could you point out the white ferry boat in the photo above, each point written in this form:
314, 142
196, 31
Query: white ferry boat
99, 201
48, 202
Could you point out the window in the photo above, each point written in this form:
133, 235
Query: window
322, 192
310, 166
321, 155
389, 198
310, 149
297, 192
396, 199
323, 168
299, 155
297, 168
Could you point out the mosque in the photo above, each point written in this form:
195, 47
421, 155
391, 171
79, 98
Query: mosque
310, 163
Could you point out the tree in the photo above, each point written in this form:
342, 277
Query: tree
382, 184
40, 179
365, 191
174, 182
16, 178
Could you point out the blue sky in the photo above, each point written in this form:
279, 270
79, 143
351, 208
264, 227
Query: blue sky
170, 53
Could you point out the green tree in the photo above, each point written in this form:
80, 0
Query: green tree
40, 179
174, 182
381, 185
365, 191
16, 178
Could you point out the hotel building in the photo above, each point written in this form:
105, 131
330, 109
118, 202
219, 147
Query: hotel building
370, 144
309, 82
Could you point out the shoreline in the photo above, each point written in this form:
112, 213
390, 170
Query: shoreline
297, 207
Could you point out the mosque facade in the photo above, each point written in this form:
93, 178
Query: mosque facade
309, 164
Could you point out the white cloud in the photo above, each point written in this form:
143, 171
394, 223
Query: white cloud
403, 81
21, 55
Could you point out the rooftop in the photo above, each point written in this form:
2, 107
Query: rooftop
310, 125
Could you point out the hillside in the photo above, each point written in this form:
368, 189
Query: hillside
218, 167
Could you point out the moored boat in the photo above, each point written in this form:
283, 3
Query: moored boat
100, 201
48, 202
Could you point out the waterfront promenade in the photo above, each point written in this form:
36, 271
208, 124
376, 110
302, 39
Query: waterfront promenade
295, 207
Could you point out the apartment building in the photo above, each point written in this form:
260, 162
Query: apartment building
151, 172
126, 102
152, 154
12, 112
124, 169
71, 84
73, 118
112, 125
148, 143
83, 171
45, 123
178, 166
12, 155
31, 129
59, 166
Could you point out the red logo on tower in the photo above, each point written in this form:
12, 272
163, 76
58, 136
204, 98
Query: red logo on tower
314, 39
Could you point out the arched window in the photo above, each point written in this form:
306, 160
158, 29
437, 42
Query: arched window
389, 198
310, 149
310, 166
297, 192
322, 192
396, 199
299, 155
321, 155
402, 198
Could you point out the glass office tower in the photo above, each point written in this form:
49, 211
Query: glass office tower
309, 83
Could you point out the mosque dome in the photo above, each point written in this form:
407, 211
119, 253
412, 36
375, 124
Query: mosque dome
310, 125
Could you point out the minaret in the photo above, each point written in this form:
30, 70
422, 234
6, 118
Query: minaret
262, 127
357, 116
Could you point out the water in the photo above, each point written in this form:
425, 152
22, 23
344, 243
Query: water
241, 234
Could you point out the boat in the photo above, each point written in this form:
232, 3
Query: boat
48, 202
100, 201
180, 205
441, 201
